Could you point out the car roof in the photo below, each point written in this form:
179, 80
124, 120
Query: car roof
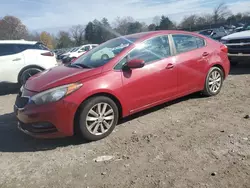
145, 35
86, 45
17, 42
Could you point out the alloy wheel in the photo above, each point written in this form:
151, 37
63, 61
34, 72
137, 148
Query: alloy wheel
100, 118
214, 81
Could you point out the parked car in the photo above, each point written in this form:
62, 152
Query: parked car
90, 96
216, 33
68, 59
59, 54
20, 59
65, 54
81, 50
238, 46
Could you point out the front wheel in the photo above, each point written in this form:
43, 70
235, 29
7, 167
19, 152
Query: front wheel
214, 81
98, 118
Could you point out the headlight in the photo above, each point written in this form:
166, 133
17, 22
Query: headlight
223, 41
55, 94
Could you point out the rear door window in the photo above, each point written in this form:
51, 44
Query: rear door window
8, 49
23, 47
37, 46
185, 43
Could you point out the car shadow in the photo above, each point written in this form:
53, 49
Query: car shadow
7, 88
159, 107
13, 140
241, 68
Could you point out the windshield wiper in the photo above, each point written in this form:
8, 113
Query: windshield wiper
78, 65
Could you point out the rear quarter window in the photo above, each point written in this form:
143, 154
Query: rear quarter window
185, 43
37, 46
41, 46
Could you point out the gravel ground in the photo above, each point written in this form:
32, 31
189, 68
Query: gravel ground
190, 142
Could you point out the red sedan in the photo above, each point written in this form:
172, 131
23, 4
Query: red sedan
122, 76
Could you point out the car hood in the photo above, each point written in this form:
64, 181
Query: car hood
58, 76
238, 35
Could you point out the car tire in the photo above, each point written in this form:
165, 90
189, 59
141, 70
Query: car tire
105, 57
27, 73
95, 124
214, 82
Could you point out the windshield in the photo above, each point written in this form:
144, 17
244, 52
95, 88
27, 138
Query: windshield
72, 50
206, 32
104, 53
75, 49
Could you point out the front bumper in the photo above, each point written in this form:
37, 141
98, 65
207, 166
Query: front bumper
29, 130
239, 57
47, 121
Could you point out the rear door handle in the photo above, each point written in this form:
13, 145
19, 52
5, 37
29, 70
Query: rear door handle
205, 54
170, 66
17, 59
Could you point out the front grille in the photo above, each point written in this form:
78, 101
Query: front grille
239, 46
239, 49
238, 41
21, 102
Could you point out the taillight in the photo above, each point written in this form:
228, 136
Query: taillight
48, 54
224, 48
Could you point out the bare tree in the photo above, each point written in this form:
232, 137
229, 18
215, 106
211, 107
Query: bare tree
12, 28
121, 24
189, 22
77, 33
157, 20
221, 12
33, 36
64, 40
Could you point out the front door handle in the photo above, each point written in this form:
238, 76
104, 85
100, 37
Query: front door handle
170, 66
205, 54
17, 59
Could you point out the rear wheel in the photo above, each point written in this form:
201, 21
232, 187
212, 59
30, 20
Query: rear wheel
26, 74
98, 118
214, 81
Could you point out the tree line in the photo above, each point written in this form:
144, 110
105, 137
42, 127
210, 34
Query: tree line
99, 31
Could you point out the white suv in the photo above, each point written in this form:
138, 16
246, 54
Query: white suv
20, 59
81, 50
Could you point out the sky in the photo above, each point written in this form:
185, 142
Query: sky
61, 14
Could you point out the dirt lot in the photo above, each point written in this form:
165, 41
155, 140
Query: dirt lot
191, 142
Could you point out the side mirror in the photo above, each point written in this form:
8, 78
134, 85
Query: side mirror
135, 63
